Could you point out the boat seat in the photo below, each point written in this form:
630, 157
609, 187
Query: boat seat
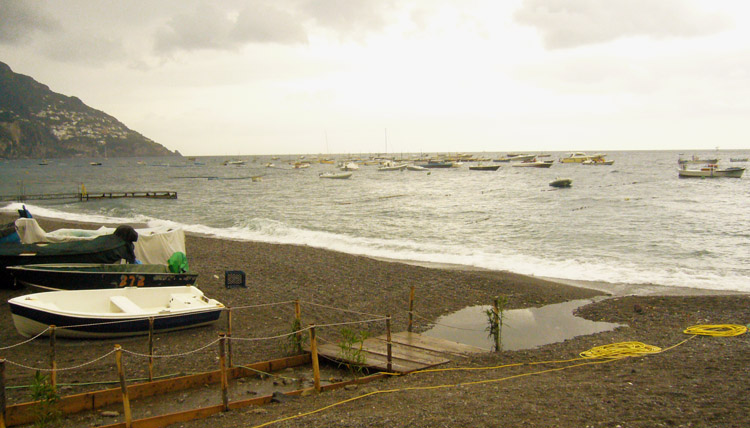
123, 304
181, 301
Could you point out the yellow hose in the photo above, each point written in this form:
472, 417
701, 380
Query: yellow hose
722, 330
619, 350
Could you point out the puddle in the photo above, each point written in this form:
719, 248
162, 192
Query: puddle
522, 328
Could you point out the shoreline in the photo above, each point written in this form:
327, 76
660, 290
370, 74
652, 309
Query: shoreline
613, 289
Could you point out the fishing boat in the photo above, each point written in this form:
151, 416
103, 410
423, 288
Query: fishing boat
561, 182
392, 166
113, 312
481, 167
580, 157
88, 276
104, 249
335, 175
533, 164
710, 171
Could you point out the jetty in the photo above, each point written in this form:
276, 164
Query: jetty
88, 196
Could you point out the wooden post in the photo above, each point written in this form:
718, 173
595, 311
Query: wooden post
150, 349
223, 368
123, 387
2, 392
314, 353
52, 357
496, 323
389, 366
298, 317
411, 308
229, 334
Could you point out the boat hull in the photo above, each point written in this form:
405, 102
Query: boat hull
711, 173
82, 276
112, 313
484, 168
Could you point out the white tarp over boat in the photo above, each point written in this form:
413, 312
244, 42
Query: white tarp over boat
155, 245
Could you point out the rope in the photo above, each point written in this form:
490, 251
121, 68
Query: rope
339, 309
25, 341
252, 339
60, 369
720, 330
351, 322
138, 354
261, 305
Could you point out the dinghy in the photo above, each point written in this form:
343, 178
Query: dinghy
114, 312
89, 276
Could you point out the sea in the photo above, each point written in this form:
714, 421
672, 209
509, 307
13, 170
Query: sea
633, 222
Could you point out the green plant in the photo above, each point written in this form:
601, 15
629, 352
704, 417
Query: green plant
45, 399
495, 317
351, 350
295, 342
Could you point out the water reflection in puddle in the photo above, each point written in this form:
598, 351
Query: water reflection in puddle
522, 328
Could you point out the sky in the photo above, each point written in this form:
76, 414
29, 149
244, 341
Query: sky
360, 76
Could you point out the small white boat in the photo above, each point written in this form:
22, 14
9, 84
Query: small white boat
113, 312
533, 164
711, 171
580, 157
349, 166
392, 166
335, 175
598, 161
413, 167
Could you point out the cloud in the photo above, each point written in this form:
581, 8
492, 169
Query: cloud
349, 18
19, 20
572, 23
208, 26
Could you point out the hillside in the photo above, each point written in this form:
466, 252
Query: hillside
38, 123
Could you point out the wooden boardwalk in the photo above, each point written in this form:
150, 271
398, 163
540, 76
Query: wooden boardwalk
409, 352
159, 194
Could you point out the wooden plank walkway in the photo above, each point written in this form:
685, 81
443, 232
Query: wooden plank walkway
409, 352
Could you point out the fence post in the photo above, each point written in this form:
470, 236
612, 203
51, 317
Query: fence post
314, 353
123, 387
298, 318
411, 308
53, 357
150, 349
223, 368
2, 392
389, 366
229, 334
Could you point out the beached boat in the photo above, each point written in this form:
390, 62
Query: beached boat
711, 171
580, 157
114, 312
335, 175
104, 249
561, 182
88, 276
481, 167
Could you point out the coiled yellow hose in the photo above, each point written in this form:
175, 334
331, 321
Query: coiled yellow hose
619, 350
722, 330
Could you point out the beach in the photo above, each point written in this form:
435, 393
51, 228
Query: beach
701, 382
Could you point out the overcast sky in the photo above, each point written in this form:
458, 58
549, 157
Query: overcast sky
348, 76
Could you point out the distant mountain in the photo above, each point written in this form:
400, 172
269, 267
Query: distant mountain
38, 123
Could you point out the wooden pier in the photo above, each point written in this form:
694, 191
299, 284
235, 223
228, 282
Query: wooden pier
87, 196
409, 352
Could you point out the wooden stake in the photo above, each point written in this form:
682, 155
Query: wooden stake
52, 357
411, 308
2, 392
123, 387
151, 349
229, 334
298, 317
315, 363
223, 368
389, 366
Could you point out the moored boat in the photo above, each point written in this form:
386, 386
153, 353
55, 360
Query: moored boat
561, 183
413, 167
87, 276
481, 167
392, 166
580, 157
335, 175
711, 171
533, 164
115, 312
